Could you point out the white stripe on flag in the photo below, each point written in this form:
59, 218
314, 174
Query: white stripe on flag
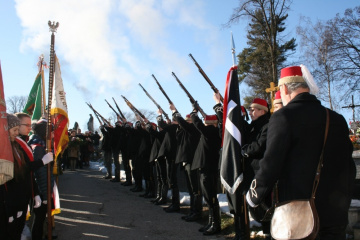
230, 127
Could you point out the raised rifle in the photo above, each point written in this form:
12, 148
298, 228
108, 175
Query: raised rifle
95, 114
162, 90
157, 105
117, 114
192, 100
122, 115
134, 109
207, 78
98, 114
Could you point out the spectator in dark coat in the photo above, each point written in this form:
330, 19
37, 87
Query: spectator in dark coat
295, 141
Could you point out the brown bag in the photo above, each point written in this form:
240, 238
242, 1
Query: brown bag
298, 219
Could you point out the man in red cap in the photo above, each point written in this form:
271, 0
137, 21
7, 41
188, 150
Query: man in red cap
277, 101
294, 144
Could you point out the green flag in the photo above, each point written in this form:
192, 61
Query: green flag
33, 105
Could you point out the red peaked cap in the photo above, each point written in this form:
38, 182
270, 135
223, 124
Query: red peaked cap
129, 123
260, 104
211, 119
187, 117
153, 124
277, 98
291, 71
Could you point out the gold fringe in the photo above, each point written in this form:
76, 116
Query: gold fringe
6, 171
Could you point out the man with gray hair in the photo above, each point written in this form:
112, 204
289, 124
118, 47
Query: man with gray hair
294, 143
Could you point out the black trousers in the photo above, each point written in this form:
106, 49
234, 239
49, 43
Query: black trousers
172, 173
39, 219
161, 172
208, 181
127, 167
115, 155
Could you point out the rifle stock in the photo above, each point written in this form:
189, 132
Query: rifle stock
206, 78
134, 109
162, 90
95, 114
157, 105
192, 100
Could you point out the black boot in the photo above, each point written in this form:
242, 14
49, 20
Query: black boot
216, 223
158, 193
196, 208
146, 189
164, 193
151, 193
175, 201
240, 229
206, 227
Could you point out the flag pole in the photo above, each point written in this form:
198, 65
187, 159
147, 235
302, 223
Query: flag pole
41, 71
52, 27
244, 210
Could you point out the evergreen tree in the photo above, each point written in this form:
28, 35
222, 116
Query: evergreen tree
267, 51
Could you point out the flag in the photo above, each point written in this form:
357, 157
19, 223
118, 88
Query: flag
59, 114
231, 170
56, 198
33, 105
6, 155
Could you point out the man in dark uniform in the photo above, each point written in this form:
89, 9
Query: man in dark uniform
106, 147
115, 136
168, 150
294, 144
187, 140
125, 155
158, 165
206, 159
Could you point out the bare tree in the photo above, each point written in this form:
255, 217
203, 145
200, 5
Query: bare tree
15, 104
346, 34
319, 47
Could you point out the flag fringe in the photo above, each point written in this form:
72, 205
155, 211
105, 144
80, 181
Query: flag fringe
7, 171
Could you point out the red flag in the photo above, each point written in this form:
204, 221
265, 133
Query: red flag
6, 155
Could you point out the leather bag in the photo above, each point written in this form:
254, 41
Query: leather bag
298, 219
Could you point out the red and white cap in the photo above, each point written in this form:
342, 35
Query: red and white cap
211, 119
298, 74
260, 103
277, 98
187, 117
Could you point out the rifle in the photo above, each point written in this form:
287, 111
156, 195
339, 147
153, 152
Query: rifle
192, 100
122, 115
207, 78
94, 114
133, 108
117, 114
98, 114
162, 90
157, 105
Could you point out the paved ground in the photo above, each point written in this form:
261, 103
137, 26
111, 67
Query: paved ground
94, 208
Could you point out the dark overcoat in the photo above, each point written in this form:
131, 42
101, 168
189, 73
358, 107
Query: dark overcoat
294, 143
168, 146
207, 151
187, 139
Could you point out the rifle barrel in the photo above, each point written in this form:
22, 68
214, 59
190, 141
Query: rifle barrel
122, 115
117, 114
206, 77
162, 90
192, 100
153, 100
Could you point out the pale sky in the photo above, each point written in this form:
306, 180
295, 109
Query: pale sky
106, 48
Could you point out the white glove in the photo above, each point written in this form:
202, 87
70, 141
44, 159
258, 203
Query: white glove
47, 158
19, 213
45, 202
37, 201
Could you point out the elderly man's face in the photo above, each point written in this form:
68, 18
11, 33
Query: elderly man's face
255, 113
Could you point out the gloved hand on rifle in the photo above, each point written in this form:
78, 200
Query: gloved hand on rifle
195, 106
